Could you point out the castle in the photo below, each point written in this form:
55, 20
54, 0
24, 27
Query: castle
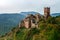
46, 12
31, 21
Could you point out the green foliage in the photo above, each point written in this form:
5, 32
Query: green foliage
51, 20
35, 31
32, 32
20, 35
48, 29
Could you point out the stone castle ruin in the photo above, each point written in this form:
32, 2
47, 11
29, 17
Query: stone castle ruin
31, 21
46, 12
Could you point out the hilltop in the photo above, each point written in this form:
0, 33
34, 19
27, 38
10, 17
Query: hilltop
36, 27
47, 30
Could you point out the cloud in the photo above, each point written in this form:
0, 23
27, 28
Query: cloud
29, 5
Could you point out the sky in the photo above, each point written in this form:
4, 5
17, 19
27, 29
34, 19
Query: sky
17, 6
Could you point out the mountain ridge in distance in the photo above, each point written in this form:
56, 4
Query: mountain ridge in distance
8, 21
30, 12
55, 14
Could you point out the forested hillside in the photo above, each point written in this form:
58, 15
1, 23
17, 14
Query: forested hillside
48, 29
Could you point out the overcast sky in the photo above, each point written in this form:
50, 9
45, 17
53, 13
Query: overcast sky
16, 6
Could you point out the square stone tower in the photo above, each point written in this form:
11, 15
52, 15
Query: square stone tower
46, 12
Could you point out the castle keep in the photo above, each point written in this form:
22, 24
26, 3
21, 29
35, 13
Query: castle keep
31, 21
46, 12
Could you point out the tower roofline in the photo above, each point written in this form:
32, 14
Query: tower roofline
46, 7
